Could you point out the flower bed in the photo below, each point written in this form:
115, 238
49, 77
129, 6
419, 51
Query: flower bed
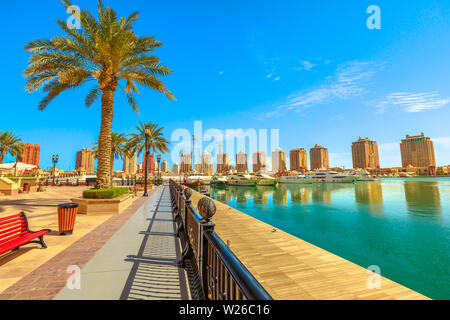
109, 193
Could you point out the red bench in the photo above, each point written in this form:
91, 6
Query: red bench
14, 233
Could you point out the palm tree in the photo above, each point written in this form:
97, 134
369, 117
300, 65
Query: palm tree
119, 148
156, 140
105, 51
10, 144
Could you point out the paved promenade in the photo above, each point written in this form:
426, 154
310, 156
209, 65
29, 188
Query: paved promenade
138, 262
41, 211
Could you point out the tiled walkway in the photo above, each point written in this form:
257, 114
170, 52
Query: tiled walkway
139, 261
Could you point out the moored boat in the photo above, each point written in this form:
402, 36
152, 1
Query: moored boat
241, 180
329, 176
295, 178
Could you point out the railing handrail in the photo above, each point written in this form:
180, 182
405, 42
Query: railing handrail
251, 288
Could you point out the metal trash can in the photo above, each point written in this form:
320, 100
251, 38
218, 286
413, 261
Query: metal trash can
26, 187
67, 213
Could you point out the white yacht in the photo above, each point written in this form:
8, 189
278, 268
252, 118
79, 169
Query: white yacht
363, 175
324, 175
295, 178
219, 180
241, 180
265, 180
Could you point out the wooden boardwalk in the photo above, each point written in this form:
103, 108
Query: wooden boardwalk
290, 268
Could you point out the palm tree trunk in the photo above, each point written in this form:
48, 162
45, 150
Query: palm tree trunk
104, 141
2, 156
112, 168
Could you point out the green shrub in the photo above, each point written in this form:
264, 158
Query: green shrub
109, 193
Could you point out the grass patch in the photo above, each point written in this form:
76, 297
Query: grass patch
109, 193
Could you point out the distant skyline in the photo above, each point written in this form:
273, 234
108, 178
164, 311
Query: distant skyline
312, 70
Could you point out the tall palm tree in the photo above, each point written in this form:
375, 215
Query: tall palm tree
119, 148
106, 51
10, 144
156, 140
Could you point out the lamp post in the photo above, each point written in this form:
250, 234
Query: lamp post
147, 152
55, 158
158, 159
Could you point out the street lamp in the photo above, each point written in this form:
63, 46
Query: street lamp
55, 158
147, 152
158, 159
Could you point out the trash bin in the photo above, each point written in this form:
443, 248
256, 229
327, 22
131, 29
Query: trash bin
67, 213
26, 187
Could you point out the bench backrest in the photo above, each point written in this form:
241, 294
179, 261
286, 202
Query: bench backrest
13, 227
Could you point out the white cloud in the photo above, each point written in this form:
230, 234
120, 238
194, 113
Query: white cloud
305, 65
410, 102
349, 80
277, 78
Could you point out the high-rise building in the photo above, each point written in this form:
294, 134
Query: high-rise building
241, 162
319, 158
165, 166
186, 163
151, 164
365, 154
130, 164
31, 154
155, 165
278, 160
417, 151
298, 159
206, 167
175, 168
223, 163
259, 161
85, 160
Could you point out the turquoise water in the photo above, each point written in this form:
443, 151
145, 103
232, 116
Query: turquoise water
400, 225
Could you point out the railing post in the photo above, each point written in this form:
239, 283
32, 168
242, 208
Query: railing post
207, 209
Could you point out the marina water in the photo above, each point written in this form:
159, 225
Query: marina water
400, 225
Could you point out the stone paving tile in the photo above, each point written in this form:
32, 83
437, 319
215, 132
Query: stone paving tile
46, 281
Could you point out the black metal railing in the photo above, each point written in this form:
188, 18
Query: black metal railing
215, 271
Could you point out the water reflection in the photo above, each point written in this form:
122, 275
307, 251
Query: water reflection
370, 195
422, 197
299, 193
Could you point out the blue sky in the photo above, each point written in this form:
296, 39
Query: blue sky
309, 68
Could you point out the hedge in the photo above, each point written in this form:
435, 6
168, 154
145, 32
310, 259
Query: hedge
109, 193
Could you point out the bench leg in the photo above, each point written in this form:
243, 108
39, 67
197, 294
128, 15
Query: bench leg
41, 239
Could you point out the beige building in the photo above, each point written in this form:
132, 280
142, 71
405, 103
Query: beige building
365, 154
85, 159
259, 161
165, 166
175, 168
186, 163
130, 164
241, 162
278, 160
206, 167
223, 163
417, 151
319, 158
298, 159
